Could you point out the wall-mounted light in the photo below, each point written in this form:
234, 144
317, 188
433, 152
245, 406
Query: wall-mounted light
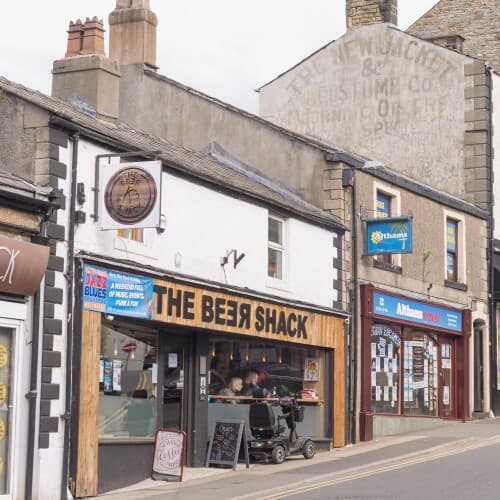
236, 258
177, 260
80, 193
160, 229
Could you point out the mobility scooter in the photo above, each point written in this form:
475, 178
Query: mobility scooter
269, 440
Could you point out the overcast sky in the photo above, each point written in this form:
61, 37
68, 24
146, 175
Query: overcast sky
225, 48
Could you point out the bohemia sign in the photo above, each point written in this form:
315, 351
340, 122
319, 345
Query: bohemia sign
22, 266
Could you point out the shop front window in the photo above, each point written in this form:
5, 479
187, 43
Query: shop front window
127, 383
385, 365
241, 371
279, 371
420, 375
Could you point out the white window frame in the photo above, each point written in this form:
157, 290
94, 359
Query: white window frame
395, 209
279, 248
461, 253
13, 467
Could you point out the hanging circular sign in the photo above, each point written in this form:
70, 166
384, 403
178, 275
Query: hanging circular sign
130, 195
2, 429
3, 393
4, 356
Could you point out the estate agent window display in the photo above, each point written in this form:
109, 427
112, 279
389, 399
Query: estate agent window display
411, 372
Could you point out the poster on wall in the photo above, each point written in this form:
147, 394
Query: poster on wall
130, 195
113, 292
311, 369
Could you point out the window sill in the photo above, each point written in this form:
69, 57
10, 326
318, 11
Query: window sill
392, 268
277, 285
133, 247
457, 286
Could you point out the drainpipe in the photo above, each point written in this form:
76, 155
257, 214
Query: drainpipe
491, 249
348, 181
70, 266
32, 395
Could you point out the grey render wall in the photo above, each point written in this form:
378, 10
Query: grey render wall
17, 145
384, 94
167, 109
478, 22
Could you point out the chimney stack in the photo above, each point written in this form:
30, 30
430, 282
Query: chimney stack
365, 12
86, 77
132, 33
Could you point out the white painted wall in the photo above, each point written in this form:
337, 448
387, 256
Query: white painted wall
202, 225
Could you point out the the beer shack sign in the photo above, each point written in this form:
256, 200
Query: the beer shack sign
219, 311
174, 303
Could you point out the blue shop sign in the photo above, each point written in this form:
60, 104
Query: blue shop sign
417, 312
113, 292
387, 235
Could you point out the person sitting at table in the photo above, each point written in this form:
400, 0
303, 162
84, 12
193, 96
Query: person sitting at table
233, 389
251, 382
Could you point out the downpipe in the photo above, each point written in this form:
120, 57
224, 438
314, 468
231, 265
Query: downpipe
70, 270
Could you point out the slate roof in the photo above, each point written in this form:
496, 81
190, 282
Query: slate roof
188, 162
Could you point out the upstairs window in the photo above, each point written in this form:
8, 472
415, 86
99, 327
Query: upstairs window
275, 248
133, 234
451, 249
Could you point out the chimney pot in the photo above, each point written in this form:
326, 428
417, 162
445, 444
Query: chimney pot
93, 36
75, 38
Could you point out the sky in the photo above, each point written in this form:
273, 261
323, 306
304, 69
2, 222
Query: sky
224, 48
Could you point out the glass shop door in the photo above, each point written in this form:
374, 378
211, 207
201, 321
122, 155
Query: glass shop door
174, 370
447, 399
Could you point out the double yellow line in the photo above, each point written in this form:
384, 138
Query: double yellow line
424, 457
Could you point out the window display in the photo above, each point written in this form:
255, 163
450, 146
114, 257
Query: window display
127, 383
406, 378
385, 354
277, 370
420, 375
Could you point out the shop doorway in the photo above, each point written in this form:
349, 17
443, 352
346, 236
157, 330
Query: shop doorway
447, 399
9, 362
174, 377
478, 368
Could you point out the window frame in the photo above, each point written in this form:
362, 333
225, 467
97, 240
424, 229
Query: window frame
392, 261
461, 261
277, 247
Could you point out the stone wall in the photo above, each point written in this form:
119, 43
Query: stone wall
478, 22
385, 95
363, 12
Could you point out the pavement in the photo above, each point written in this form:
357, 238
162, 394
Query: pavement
269, 481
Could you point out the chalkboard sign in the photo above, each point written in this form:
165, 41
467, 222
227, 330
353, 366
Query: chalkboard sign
169, 455
225, 443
